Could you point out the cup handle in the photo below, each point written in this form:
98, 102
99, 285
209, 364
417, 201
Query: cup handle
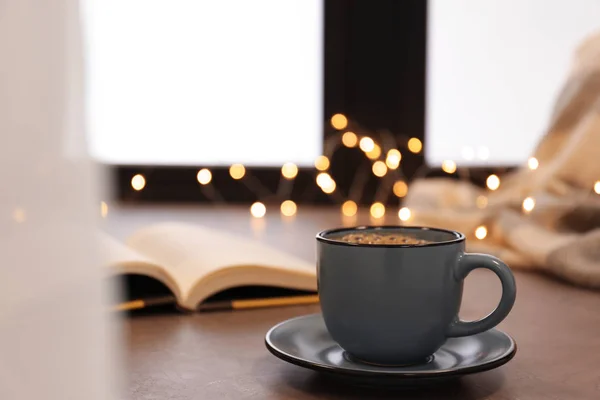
466, 264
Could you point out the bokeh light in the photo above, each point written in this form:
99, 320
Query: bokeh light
400, 188
415, 145
404, 214
289, 170
492, 182
288, 208
138, 182
349, 139
237, 171
339, 121
204, 176
349, 208
379, 168
258, 210
322, 163
377, 210
449, 166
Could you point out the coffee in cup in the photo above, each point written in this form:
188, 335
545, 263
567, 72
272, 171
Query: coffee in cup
391, 295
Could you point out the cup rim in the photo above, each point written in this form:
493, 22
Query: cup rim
322, 236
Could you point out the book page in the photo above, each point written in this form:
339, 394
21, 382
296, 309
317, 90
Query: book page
121, 260
191, 252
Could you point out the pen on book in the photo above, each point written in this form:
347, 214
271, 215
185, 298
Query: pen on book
145, 303
242, 304
247, 304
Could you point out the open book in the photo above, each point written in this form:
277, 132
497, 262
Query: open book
195, 262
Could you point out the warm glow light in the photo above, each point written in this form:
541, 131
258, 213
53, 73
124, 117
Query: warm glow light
493, 182
323, 179
400, 188
103, 209
393, 159
377, 210
375, 153
204, 176
289, 170
366, 144
379, 168
288, 208
481, 201
237, 171
258, 210
339, 121
326, 182
597, 187
404, 214
349, 208
449, 166
481, 232
349, 139
330, 187
138, 182
415, 145
528, 204
322, 163
19, 215
533, 163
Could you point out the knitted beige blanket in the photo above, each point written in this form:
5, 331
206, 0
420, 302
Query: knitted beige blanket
561, 235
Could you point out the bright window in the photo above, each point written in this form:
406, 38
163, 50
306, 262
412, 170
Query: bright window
204, 81
495, 68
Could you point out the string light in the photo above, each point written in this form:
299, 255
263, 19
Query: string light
289, 170
204, 176
375, 153
393, 159
326, 182
330, 188
322, 179
366, 144
528, 204
258, 210
349, 139
597, 187
339, 121
449, 166
415, 145
404, 214
138, 182
481, 232
492, 182
481, 201
103, 209
377, 210
379, 168
400, 188
349, 208
322, 163
533, 163
19, 215
237, 171
288, 208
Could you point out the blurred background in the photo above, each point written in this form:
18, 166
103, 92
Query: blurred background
178, 88
123, 113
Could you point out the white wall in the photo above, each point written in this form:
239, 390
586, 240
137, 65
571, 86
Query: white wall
494, 70
205, 81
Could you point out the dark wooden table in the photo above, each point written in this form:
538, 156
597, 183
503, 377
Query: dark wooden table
222, 356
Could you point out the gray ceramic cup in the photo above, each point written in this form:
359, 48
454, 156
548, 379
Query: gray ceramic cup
397, 304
